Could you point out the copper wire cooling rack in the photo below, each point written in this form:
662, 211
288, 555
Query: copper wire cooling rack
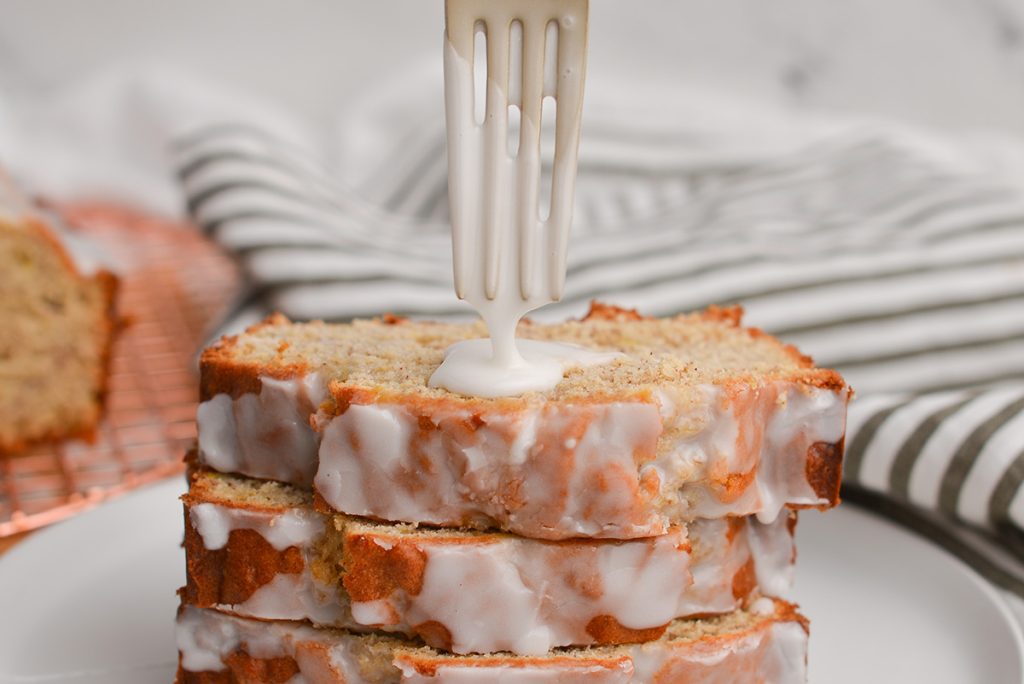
173, 285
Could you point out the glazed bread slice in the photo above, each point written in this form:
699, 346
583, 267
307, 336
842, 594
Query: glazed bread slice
58, 326
259, 549
699, 418
766, 644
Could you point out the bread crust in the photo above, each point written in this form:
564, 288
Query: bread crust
232, 574
825, 469
221, 372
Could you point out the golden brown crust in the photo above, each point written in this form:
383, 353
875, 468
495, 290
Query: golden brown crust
825, 469
735, 525
434, 634
392, 319
221, 372
790, 612
232, 574
373, 572
606, 630
242, 668
730, 315
609, 312
112, 326
246, 669
744, 582
791, 526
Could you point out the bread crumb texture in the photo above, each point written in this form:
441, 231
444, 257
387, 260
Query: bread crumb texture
54, 341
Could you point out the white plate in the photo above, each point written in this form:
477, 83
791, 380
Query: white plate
888, 606
95, 596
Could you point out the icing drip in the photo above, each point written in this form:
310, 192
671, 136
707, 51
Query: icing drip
265, 435
292, 528
471, 367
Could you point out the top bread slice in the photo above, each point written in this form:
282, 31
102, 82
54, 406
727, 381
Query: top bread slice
699, 417
58, 326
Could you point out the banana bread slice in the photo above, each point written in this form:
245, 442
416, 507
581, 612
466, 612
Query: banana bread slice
698, 418
766, 643
259, 549
59, 322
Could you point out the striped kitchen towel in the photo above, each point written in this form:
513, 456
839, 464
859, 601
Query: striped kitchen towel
873, 250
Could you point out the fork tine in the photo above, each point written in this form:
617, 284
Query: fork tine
528, 160
463, 202
572, 46
494, 194
496, 154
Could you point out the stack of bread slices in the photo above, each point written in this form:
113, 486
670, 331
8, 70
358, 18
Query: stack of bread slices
346, 523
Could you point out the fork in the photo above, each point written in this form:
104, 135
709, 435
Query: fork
508, 258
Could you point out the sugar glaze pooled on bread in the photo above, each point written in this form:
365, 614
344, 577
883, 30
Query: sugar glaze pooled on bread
473, 367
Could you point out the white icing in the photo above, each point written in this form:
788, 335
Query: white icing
265, 435
660, 569
202, 642
470, 367
762, 606
774, 552
504, 615
373, 613
375, 461
546, 594
771, 439
343, 662
293, 596
717, 561
714, 565
205, 637
294, 527
776, 652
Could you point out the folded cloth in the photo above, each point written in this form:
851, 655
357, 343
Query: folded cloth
893, 255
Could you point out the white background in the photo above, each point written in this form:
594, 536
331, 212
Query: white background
955, 64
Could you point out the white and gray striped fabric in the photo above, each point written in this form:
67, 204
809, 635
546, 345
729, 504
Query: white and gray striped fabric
864, 247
